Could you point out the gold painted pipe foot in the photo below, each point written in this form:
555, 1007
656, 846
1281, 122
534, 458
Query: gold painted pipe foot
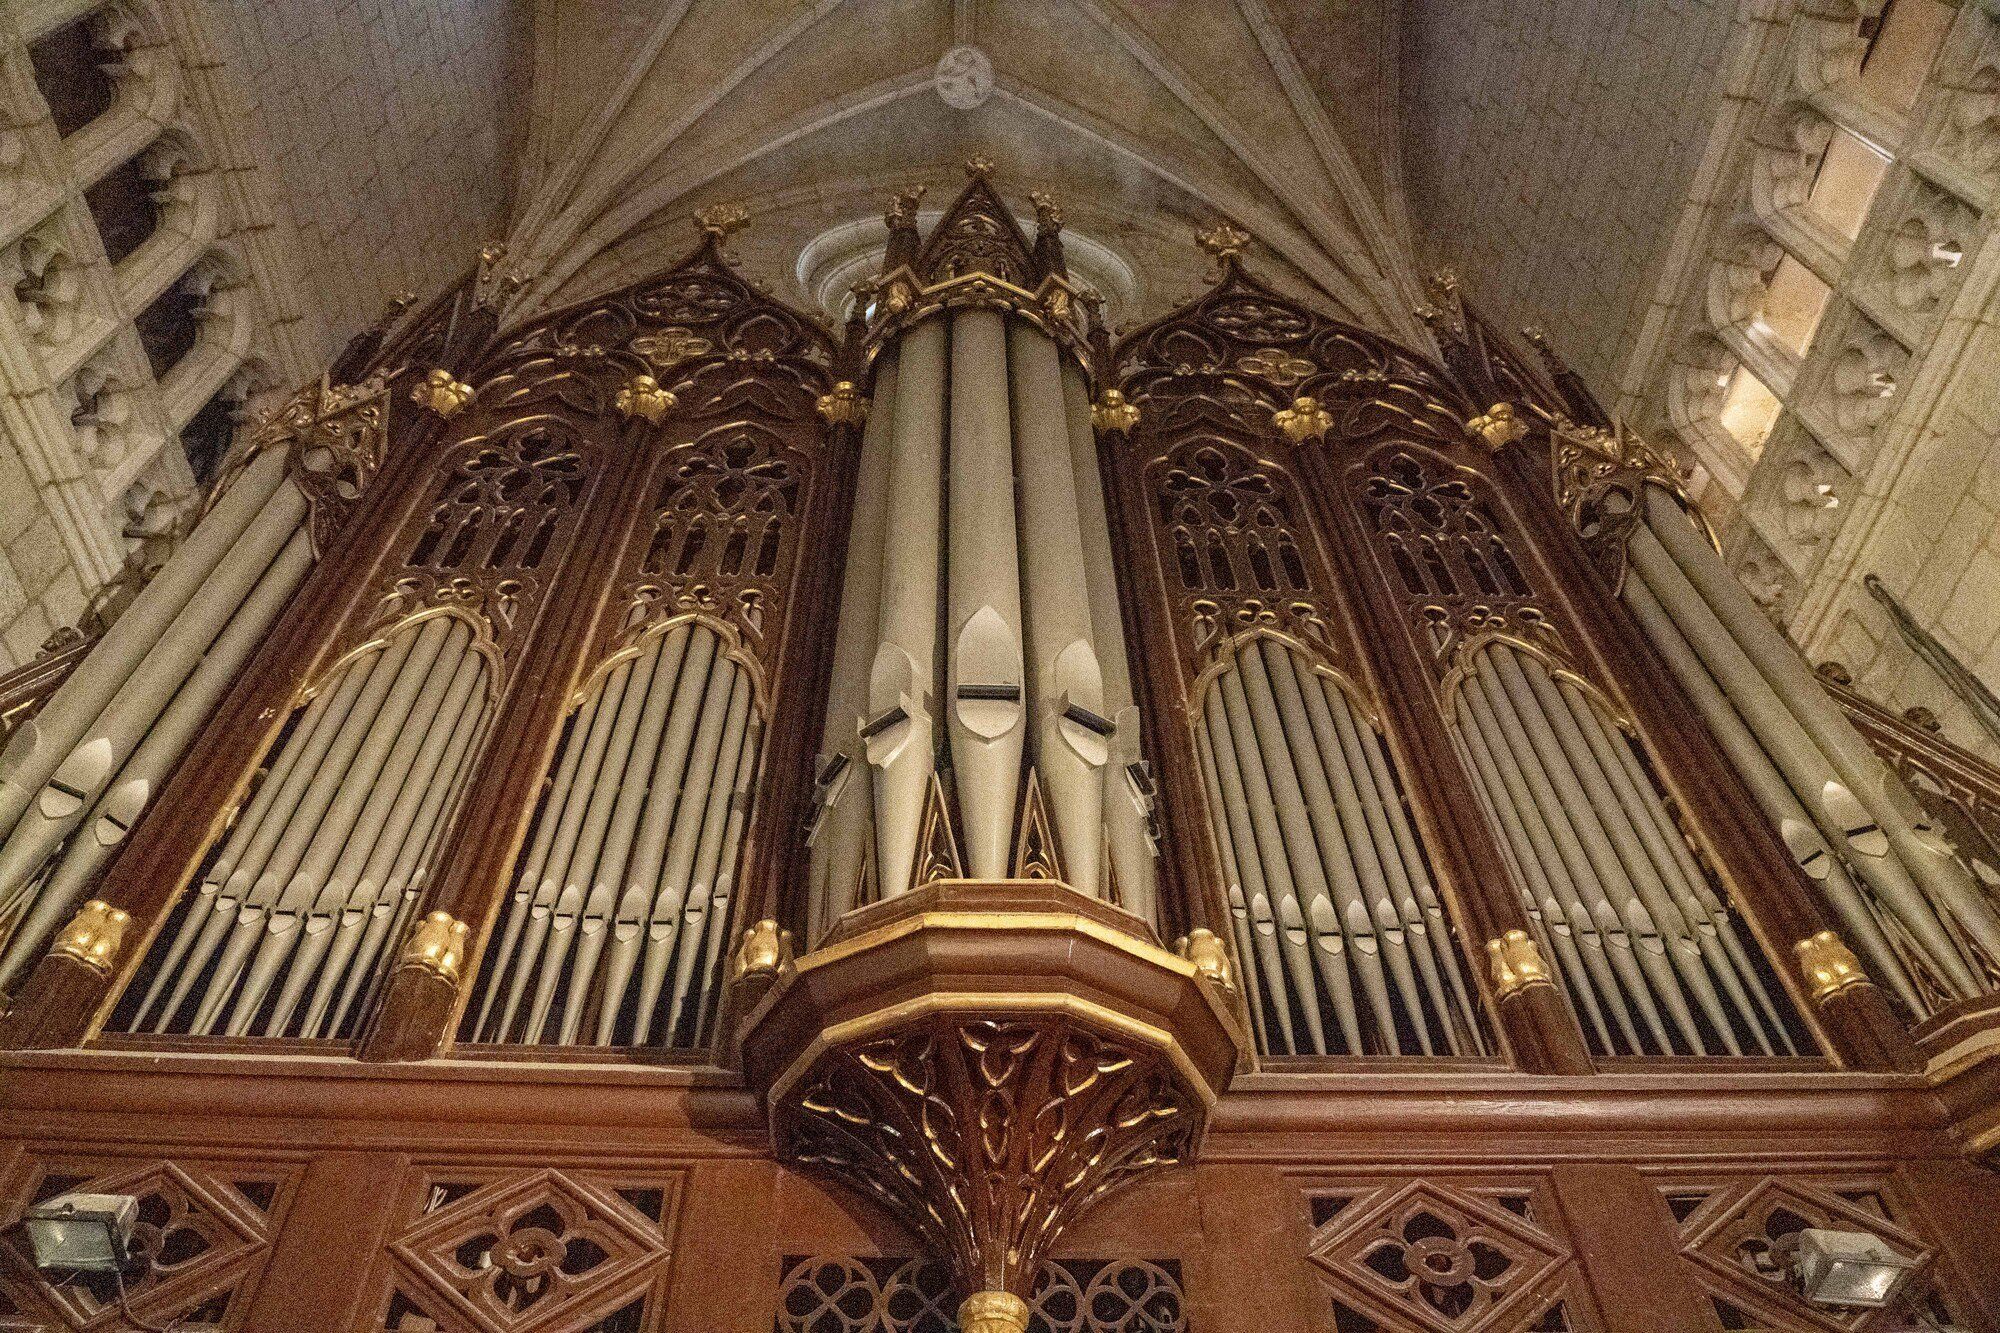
993, 1312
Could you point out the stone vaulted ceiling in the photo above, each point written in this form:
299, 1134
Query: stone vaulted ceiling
1145, 117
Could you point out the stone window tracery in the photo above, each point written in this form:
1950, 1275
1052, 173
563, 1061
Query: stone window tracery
1832, 288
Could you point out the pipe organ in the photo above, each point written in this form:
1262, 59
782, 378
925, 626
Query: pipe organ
987, 763
980, 700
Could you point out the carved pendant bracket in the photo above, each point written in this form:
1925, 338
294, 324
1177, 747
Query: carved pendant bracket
986, 1060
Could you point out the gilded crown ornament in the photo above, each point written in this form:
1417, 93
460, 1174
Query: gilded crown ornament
722, 220
1203, 947
93, 936
1498, 426
1224, 240
978, 166
641, 396
439, 392
1304, 420
1112, 413
436, 946
1517, 963
1830, 967
843, 405
1048, 213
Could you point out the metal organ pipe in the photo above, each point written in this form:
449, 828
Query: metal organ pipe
902, 678
1768, 786
289, 906
1861, 805
1308, 843
1808, 769
983, 668
114, 730
1238, 835
1128, 798
1066, 701
45, 741
632, 886
36, 841
842, 823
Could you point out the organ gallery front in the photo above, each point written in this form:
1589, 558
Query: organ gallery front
681, 813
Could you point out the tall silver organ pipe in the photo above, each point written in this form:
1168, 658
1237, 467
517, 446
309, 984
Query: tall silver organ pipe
902, 682
983, 665
980, 589
613, 931
1645, 945
1343, 940
1128, 791
1065, 682
295, 901
79, 774
1908, 905
842, 834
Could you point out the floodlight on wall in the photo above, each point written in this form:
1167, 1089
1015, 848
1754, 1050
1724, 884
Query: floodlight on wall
1848, 1269
82, 1233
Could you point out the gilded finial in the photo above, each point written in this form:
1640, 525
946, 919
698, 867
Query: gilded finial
766, 950
843, 405
1048, 213
1203, 948
721, 220
492, 284
436, 946
993, 1312
1304, 420
1517, 964
903, 206
1498, 426
642, 396
439, 392
979, 166
92, 937
1224, 241
1112, 413
1829, 965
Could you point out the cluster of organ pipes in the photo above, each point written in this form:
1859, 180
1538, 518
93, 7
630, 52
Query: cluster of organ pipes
613, 930
323, 866
1331, 902
1647, 949
980, 717
76, 777
979, 583
1906, 904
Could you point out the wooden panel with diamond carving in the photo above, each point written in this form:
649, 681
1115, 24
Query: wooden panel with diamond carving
1733, 1233
544, 1251
1436, 1256
205, 1231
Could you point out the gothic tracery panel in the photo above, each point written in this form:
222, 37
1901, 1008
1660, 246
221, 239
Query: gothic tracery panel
1445, 1256
204, 1235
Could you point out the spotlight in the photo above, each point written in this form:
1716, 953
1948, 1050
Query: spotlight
1847, 1269
82, 1233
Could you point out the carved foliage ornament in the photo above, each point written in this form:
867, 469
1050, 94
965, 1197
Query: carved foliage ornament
337, 435
987, 1136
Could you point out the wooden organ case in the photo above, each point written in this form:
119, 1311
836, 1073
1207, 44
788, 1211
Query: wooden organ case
672, 816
